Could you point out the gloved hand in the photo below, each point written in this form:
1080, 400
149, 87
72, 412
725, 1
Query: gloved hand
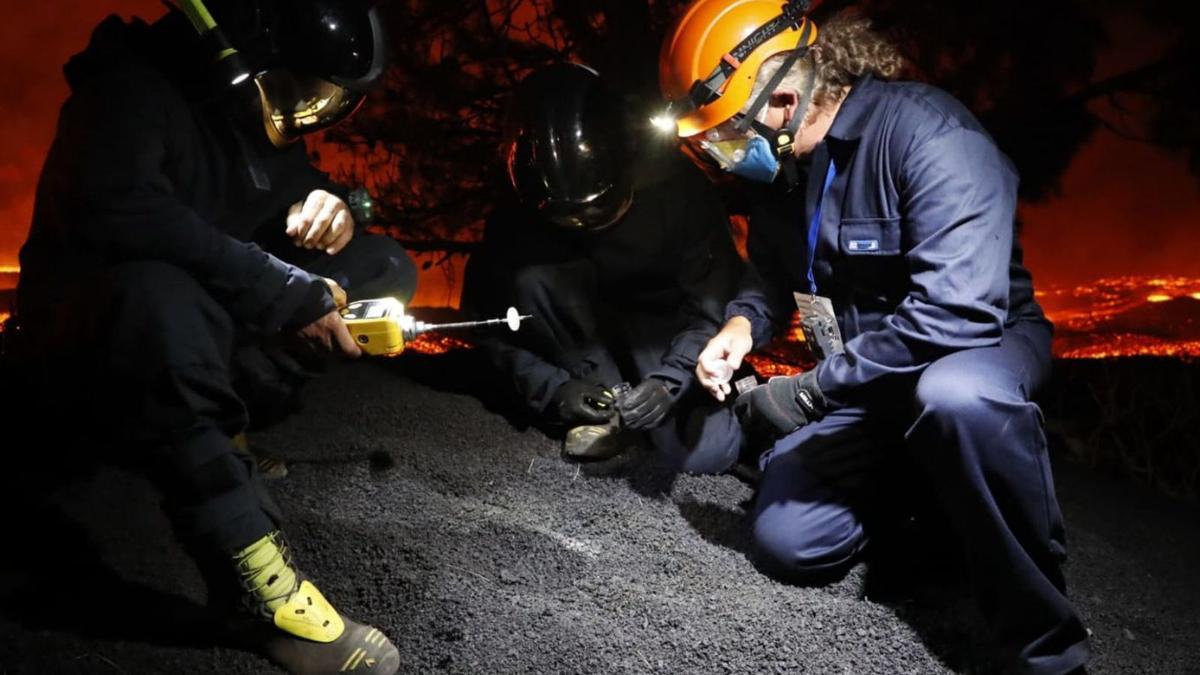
579, 402
646, 405
782, 405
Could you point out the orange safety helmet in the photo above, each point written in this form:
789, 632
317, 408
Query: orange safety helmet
712, 54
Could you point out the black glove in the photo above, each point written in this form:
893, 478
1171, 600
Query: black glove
646, 405
782, 405
579, 402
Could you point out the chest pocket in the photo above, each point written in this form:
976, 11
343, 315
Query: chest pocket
869, 237
869, 263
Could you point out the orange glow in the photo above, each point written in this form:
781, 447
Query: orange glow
785, 355
34, 89
768, 366
1109, 318
1090, 230
1135, 345
4, 316
438, 285
8, 278
1126, 316
431, 343
1102, 298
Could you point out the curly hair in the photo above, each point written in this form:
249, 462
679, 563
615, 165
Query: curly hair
846, 49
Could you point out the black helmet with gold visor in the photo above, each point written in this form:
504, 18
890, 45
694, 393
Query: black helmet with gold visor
312, 61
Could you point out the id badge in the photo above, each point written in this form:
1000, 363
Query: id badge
820, 327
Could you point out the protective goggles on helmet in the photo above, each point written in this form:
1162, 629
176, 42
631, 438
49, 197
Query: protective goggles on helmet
294, 105
726, 144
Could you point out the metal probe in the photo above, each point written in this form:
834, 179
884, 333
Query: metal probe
512, 319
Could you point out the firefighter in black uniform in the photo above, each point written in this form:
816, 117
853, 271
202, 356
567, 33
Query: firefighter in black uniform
177, 221
624, 284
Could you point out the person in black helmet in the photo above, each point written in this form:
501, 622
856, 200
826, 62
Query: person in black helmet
625, 280
179, 235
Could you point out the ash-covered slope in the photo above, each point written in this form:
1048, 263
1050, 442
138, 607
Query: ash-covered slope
480, 551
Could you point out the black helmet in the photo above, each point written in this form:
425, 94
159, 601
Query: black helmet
565, 148
312, 60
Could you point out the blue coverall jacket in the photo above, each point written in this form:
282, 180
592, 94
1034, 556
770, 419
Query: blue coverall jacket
916, 246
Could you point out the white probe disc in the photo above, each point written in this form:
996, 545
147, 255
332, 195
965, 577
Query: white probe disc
514, 319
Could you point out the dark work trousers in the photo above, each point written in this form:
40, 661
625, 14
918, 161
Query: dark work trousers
603, 341
166, 368
975, 434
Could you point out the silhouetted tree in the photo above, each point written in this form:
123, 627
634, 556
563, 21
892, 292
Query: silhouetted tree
1159, 102
429, 143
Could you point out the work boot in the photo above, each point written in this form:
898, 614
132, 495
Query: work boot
594, 441
282, 615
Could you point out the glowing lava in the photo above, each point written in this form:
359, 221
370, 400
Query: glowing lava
1126, 316
785, 355
431, 343
1106, 319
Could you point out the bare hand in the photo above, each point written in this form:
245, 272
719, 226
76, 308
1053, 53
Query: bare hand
339, 294
722, 356
321, 221
329, 334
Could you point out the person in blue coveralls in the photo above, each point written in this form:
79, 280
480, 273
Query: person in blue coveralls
885, 214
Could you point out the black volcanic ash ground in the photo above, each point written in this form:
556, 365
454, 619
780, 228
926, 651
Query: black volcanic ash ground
479, 550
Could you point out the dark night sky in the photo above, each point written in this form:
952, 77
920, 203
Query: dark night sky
1125, 208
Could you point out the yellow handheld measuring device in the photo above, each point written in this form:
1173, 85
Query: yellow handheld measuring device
381, 327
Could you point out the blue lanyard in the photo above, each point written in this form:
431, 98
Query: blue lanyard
814, 228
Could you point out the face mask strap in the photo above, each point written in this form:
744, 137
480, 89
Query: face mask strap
785, 139
765, 95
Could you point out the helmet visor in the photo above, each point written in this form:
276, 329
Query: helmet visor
596, 212
294, 105
723, 145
